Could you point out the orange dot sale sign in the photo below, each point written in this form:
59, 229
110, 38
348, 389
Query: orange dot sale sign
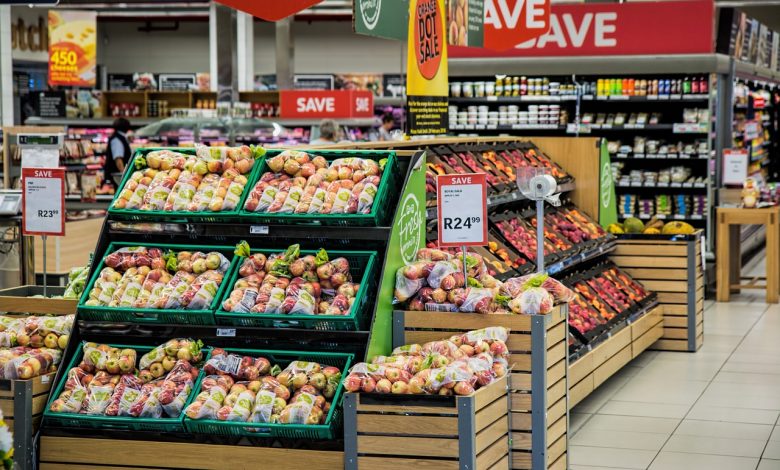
72, 48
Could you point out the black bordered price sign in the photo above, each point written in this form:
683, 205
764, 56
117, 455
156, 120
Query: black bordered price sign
462, 210
43, 201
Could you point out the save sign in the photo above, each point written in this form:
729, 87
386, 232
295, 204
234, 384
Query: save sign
510, 22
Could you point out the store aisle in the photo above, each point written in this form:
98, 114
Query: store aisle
714, 409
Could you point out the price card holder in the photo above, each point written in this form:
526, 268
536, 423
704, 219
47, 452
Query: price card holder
462, 210
43, 201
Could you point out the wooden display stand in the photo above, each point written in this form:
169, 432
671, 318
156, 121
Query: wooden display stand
671, 266
411, 431
728, 273
60, 453
625, 343
22, 403
21, 300
538, 348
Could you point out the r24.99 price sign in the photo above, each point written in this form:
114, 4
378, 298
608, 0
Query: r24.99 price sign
43, 201
462, 210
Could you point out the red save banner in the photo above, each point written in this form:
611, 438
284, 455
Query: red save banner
326, 103
511, 22
674, 27
270, 10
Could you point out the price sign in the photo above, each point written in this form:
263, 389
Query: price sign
462, 210
43, 201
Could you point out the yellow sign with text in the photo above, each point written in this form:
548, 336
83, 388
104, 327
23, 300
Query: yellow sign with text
72, 48
426, 68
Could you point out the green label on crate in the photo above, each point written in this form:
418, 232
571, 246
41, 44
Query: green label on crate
407, 236
607, 202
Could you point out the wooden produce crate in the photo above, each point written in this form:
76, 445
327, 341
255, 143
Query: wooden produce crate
22, 403
428, 431
538, 348
623, 343
85, 453
19, 300
670, 265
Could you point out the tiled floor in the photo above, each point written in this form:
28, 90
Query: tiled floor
716, 409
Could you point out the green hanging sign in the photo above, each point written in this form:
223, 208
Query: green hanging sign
381, 18
607, 197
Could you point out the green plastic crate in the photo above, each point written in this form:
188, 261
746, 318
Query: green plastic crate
292, 431
152, 315
179, 216
361, 264
129, 423
379, 210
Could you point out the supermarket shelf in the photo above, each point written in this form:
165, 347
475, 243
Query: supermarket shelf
564, 265
389, 101
677, 128
661, 185
564, 98
649, 98
512, 127
663, 216
660, 156
355, 122
92, 122
494, 201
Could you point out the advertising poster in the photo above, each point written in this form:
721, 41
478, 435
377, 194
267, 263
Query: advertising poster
426, 69
72, 48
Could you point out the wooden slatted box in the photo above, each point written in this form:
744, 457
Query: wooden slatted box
22, 403
538, 348
419, 431
670, 265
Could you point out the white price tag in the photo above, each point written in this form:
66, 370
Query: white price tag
258, 229
43, 201
462, 210
226, 332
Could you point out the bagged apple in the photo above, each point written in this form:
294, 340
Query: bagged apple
70, 401
185, 349
207, 403
238, 367
31, 364
99, 399
127, 381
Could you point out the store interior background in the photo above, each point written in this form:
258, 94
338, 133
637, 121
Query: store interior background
717, 408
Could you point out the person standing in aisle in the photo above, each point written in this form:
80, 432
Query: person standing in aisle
329, 133
118, 151
387, 125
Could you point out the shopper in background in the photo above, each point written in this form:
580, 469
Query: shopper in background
118, 150
329, 133
387, 125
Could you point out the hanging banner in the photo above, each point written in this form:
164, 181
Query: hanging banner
426, 69
464, 22
270, 10
380, 18
302, 104
72, 48
673, 27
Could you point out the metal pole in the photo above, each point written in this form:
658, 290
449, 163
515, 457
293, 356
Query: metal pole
540, 236
44, 264
465, 270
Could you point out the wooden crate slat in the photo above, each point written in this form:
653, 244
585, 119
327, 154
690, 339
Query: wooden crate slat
559, 464
502, 464
556, 391
612, 365
520, 402
676, 333
609, 348
556, 334
492, 454
520, 421
491, 434
422, 446
521, 440
556, 449
557, 410
556, 430
581, 368
60, 466
519, 342
642, 274
423, 337
675, 322
671, 345
490, 414
388, 463
649, 262
521, 381
626, 249
649, 320
557, 352
521, 460
666, 286
646, 340
556, 372
388, 424
43, 383
520, 362
73, 450
488, 395
580, 390
464, 321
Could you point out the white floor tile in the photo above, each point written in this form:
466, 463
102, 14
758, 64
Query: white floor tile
589, 467
651, 390
715, 446
775, 434
643, 424
601, 456
735, 415
622, 439
683, 461
692, 427
772, 450
769, 464
576, 420
759, 396
654, 410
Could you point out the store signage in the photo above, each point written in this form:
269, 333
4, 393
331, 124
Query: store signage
752, 130
270, 10
72, 48
326, 104
426, 69
43, 201
120, 81
51, 104
462, 209
465, 19
380, 18
313, 82
33, 37
735, 166
177, 81
673, 27
393, 85
512, 22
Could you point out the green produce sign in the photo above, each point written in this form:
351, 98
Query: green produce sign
387, 19
407, 237
607, 197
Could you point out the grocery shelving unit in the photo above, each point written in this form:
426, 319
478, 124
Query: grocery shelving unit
383, 238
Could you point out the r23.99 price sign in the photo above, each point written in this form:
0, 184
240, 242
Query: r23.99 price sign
462, 210
43, 201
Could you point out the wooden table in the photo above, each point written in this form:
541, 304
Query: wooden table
729, 277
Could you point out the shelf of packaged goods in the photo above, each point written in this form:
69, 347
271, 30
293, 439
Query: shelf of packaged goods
564, 98
676, 128
646, 185
660, 156
663, 216
86, 122
389, 101
510, 127
650, 98
495, 201
82, 166
352, 122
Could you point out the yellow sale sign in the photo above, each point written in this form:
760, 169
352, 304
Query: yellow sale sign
72, 48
